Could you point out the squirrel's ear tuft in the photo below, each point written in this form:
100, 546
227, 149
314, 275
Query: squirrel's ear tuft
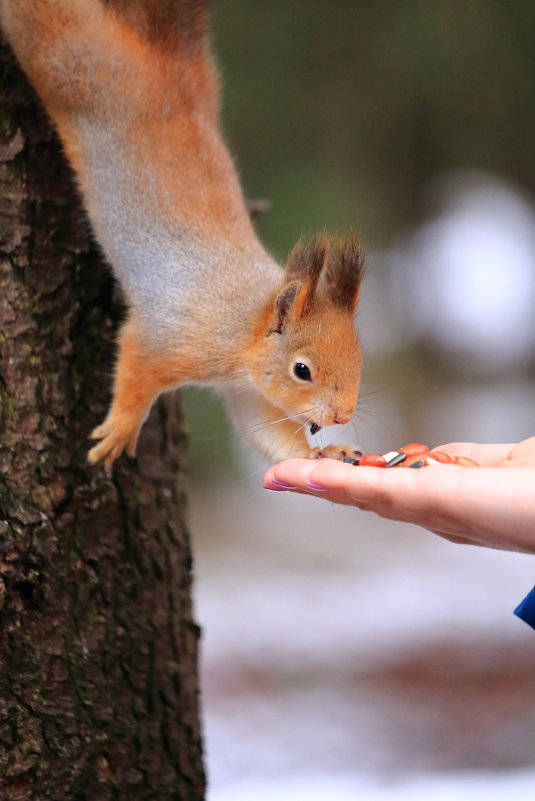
305, 264
307, 258
325, 270
344, 271
164, 22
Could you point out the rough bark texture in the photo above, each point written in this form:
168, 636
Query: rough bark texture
98, 647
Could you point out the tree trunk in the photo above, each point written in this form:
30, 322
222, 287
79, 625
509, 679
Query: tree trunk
98, 647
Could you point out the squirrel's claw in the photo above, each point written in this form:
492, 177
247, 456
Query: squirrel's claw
113, 443
339, 452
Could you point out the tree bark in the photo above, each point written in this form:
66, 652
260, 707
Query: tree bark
98, 647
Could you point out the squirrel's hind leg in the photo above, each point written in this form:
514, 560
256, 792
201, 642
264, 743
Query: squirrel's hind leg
139, 378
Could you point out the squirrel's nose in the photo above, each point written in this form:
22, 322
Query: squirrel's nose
341, 418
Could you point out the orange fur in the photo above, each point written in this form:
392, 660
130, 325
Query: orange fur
133, 92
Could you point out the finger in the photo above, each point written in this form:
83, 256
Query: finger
452, 538
485, 455
290, 474
522, 454
294, 475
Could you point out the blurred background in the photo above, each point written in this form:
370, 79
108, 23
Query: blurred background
344, 656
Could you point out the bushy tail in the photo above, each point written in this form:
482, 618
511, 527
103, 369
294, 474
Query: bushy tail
166, 22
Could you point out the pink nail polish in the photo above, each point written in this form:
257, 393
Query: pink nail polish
316, 487
282, 484
274, 489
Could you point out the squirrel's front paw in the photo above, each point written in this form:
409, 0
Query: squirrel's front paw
339, 452
114, 440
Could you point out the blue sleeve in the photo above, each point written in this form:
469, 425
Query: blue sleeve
526, 609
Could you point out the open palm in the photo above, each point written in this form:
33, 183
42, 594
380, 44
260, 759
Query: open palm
492, 506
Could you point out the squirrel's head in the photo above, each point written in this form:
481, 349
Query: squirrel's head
307, 358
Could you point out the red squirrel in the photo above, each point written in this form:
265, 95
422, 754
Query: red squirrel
131, 88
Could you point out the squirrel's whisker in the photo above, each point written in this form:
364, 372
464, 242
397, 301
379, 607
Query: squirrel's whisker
267, 423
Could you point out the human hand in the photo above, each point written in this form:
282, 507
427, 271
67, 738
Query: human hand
492, 505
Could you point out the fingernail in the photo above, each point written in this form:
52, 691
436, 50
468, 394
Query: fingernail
282, 484
314, 486
274, 489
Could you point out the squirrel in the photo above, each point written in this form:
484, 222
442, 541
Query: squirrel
132, 90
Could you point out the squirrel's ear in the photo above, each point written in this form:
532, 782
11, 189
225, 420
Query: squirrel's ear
283, 304
317, 270
344, 271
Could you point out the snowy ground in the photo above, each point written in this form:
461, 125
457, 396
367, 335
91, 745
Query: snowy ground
458, 787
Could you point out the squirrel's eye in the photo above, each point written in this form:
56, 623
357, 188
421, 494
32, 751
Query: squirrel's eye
302, 372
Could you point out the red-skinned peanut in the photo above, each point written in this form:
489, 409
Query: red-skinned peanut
414, 447
372, 460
